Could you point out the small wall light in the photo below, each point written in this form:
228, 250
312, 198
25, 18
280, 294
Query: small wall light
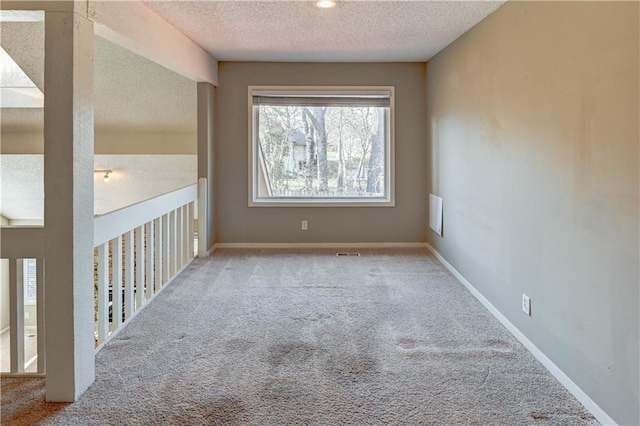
106, 174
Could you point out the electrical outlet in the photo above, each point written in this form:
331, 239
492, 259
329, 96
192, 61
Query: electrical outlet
526, 304
26, 315
305, 225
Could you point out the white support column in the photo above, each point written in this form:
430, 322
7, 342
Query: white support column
40, 312
16, 314
129, 277
157, 225
68, 207
140, 267
103, 292
116, 282
206, 221
165, 249
148, 229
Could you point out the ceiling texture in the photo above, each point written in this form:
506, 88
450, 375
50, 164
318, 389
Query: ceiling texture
132, 93
353, 31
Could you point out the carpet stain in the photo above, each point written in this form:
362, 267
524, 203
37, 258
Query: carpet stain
219, 410
539, 416
352, 367
290, 353
313, 317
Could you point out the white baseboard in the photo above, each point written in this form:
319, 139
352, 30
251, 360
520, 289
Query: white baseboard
206, 253
575, 390
317, 245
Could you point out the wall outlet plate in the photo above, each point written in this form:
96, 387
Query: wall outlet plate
526, 304
305, 225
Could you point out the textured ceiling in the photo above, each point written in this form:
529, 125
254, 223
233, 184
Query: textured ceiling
131, 92
134, 93
135, 178
25, 40
354, 31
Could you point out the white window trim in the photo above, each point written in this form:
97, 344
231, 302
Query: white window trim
388, 201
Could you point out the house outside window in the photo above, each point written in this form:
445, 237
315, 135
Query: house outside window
321, 146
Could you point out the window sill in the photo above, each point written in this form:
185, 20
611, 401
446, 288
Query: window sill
309, 202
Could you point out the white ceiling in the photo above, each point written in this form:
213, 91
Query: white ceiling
354, 31
130, 92
135, 178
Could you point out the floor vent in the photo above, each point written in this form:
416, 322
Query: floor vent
347, 254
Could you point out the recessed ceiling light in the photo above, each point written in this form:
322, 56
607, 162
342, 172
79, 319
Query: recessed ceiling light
325, 4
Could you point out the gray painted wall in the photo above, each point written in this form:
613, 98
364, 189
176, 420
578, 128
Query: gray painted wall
534, 148
238, 223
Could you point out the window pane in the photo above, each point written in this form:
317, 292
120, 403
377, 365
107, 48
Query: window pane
321, 151
30, 280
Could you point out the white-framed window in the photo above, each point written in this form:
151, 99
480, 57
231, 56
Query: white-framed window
321, 146
29, 274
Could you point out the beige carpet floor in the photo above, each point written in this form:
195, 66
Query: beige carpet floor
305, 337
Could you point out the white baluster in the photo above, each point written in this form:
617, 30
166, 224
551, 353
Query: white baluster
157, 225
16, 312
166, 255
189, 231
172, 243
149, 259
103, 292
179, 240
185, 235
129, 277
40, 314
116, 282
140, 267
